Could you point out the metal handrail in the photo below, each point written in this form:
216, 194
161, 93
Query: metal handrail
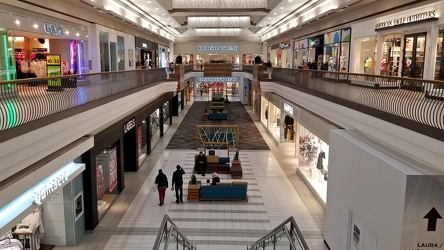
294, 235
27, 100
166, 229
415, 104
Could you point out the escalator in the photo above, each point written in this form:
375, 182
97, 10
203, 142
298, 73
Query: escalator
285, 236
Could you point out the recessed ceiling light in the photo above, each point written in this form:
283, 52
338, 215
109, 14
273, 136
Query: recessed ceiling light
77, 34
17, 22
67, 32
156, 8
35, 26
148, 1
275, 13
290, 1
168, 19
163, 14
281, 8
269, 18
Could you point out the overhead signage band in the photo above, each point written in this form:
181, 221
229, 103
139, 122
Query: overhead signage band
425, 16
217, 79
230, 47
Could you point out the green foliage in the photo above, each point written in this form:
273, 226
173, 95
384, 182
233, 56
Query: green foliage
236, 156
193, 179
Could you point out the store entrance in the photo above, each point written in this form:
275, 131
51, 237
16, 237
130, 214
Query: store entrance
413, 60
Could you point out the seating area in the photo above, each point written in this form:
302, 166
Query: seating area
236, 191
217, 109
216, 164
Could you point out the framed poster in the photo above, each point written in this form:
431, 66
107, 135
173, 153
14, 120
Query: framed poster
78, 206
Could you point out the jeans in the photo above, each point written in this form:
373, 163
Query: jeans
179, 192
161, 191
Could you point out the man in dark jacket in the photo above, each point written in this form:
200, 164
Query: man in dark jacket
201, 163
177, 183
162, 185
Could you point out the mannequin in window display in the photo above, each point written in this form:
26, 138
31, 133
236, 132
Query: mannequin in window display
343, 63
320, 164
288, 128
383, 66
368, 64
100, 184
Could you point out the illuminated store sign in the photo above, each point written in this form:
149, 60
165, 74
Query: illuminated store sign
129, 125
144, 45
428, 15
217, 79
48, 187
288, 108
53, 29
232, 47
39, 192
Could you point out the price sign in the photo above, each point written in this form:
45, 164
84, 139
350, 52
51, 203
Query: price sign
53, 60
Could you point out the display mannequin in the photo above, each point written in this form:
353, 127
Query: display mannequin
288, 128
320, 164
100, 182
368, 64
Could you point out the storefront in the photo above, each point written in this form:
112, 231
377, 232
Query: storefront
210, 86
300, 131
401, 44
248, 59
316, 52
281, 54
46, 206
26, 42
218, 53
163, 56
336, 50
300, 53
147, 54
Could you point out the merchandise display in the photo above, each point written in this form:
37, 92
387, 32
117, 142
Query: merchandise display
29, 231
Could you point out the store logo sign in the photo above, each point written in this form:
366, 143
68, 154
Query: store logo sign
232, 47
53, 29
144, 45
217, 79
48, 187
284, 45
129, 125
288, 108
428, 15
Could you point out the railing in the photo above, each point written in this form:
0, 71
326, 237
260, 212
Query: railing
285, 235
170, 237
415, 104
26, 100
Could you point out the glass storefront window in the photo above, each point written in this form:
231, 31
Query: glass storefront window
391, 55
166, 116
142, 142
331, 54
264, 110
274, 114
104, 51
106, 177
7, 62
343, 59
365, 49
300, 58
155, 128
439, 63
120, 53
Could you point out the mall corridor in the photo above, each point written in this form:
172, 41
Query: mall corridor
275, 193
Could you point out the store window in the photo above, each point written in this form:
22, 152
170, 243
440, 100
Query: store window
264, 110
274, 120
154, 128
365, 49
104, 51
439, 63
120, 53
7, 62
391, 55
142, 142
106, 177
166, 116
413, 56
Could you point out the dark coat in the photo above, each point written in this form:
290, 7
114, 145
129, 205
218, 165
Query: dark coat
161, 180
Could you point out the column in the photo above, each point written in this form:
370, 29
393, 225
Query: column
264, 51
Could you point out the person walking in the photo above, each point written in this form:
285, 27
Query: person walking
162, 185
201, 163
177, 182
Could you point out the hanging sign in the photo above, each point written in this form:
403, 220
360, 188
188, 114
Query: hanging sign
428, 15
54, 68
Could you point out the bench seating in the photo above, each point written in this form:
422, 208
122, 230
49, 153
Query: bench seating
218, 116
215, 164
236, 190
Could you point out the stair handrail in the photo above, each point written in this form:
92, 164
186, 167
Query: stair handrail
290, 234
164, 232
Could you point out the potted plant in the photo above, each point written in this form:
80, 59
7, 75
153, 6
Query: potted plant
236, 161
257, 59
179, 59
236, 168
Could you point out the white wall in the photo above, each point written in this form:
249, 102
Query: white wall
54, 219
250, 48
370, 180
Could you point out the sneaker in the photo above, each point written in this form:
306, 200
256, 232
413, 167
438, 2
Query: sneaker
160, 204
177, 202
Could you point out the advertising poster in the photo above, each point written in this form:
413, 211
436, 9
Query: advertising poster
53, 67
112, 169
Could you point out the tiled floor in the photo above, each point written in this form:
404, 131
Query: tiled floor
275, 193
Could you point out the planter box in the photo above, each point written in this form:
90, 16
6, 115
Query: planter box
193, 192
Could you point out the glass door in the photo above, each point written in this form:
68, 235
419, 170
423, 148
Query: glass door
413, 60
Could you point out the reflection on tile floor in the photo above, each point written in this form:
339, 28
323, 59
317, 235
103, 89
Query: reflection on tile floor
275, 193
